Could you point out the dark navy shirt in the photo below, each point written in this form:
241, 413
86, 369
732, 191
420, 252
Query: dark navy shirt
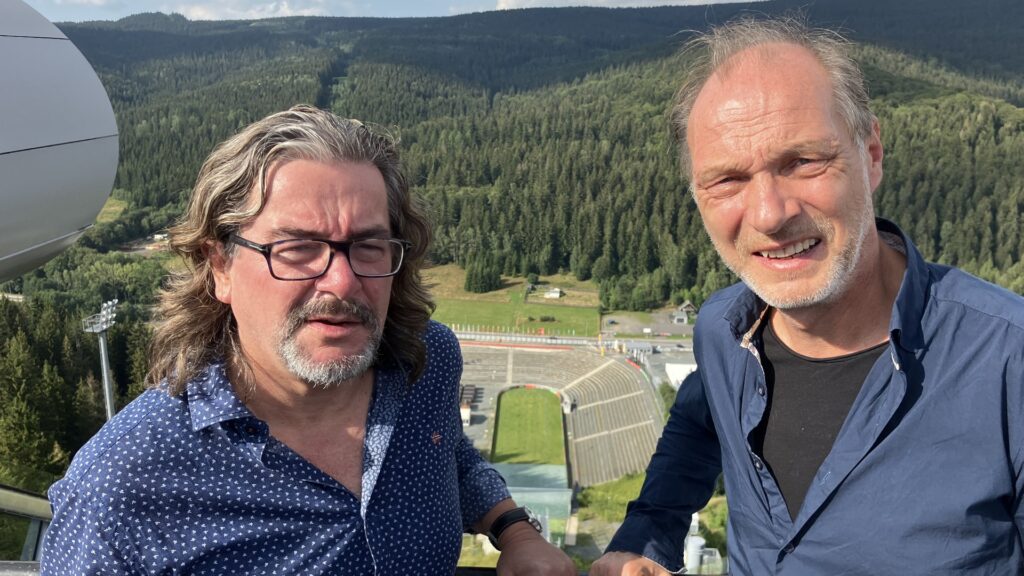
196, 485
926, 475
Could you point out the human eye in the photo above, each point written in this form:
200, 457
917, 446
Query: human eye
810, 165
298, 251
370, 250
720, 186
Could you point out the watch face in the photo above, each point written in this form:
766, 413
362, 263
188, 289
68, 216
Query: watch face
533, 520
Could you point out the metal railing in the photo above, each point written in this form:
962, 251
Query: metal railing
36, 509
32, 569
19, 568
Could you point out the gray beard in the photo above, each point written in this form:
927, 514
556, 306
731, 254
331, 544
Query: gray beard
333, 373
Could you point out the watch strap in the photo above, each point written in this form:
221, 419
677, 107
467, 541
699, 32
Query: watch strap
508, 518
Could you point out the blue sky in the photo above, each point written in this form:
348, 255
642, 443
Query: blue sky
78, 10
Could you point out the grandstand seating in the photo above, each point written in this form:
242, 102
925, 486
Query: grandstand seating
615, 418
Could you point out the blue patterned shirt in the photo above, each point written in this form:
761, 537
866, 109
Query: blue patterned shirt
195, 484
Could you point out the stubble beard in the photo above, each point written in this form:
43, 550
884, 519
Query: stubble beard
333, 372
841, 271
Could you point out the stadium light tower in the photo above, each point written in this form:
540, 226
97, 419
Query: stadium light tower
99, 324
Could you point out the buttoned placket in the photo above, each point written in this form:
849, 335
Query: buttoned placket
756, 404
873, 409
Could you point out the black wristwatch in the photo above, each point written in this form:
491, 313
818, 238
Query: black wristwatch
521, 514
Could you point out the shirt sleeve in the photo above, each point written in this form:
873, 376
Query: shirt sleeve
680, 481
80, 540
480, 485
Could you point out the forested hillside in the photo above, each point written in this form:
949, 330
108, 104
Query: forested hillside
540, 140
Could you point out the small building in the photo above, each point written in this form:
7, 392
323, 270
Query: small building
684, 312
554, 293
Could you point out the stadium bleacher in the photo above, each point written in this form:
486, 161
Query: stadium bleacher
614, 417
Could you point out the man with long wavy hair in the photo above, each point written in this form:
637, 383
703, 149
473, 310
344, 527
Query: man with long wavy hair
303, 415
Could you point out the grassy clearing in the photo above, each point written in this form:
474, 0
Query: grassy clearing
111, 210
608, 501
529, 428
713, 519
516, 316
505, 310
639, 317
447, 282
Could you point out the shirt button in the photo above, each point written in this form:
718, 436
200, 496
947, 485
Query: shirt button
761, 391
250, 430
789, 548
758, 464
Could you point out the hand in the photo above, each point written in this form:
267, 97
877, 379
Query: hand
626, 564
524, 552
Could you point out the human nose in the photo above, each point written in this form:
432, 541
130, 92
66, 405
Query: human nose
339, 279
769, 206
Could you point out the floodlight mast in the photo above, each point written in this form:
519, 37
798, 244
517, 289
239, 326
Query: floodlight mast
99, 324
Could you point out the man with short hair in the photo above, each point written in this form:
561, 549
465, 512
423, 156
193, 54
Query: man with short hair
303, 417
865, 407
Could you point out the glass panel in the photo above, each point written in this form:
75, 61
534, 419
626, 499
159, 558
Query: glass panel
13, 532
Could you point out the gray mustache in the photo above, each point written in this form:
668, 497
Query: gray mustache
331, 307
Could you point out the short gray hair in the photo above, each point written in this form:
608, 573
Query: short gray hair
711, 50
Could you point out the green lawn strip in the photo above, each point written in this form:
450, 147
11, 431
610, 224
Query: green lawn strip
608, 501
641, 317
516, 316
111, 210
529, 428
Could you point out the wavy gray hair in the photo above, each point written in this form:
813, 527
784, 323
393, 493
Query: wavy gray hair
195, 328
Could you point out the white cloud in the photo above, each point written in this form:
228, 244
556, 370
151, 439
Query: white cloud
466, 8
82, 2
247, 9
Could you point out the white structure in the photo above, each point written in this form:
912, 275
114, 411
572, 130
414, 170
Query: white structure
678, 372
58, 144
693, 545
99, 324
554, 293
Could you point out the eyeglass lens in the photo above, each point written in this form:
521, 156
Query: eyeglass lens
300, 259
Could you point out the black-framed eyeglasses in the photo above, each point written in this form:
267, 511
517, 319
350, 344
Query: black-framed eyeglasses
300, 259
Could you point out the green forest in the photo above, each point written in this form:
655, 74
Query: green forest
539, 139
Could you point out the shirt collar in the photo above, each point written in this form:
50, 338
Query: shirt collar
745, 313
212, 400
908, 310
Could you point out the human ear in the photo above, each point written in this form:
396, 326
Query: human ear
220, 264
875, 154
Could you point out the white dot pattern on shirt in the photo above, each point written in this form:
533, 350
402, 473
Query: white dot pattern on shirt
195, 485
